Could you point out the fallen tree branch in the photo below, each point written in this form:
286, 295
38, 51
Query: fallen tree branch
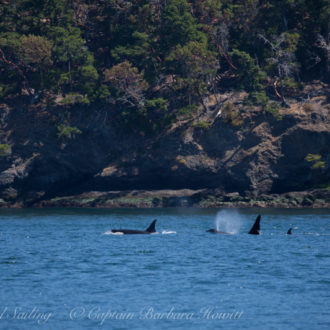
276, 91
222, 52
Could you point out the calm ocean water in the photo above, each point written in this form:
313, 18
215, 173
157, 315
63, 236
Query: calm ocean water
61, 270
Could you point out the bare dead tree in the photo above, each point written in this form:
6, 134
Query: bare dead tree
220, 36
129, 82
324, 45
284, 61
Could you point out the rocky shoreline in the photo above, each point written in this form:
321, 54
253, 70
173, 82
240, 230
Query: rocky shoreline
203, 198
209, 159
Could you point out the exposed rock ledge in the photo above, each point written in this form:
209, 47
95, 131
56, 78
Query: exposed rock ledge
202, 198
230, 154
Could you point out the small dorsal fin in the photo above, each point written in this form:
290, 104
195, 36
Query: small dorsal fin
255, 230
151, 228
289, 231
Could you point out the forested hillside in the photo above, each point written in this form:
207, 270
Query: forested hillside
151, 56
163, 94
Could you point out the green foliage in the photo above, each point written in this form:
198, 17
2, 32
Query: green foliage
313, 158
139, 53
158, 104
67, 131
87, 78
316, 159
324, 186
291, 86
146, 119
4, 90
4, 150
68, 45
258, 98
77, 63
194, 66
273, 108
250, 76
101, 94
132, 53
188, 111
179, 26
74, 98
203, 125
156, 114
318, 165
11, 44
231, 115
261, 99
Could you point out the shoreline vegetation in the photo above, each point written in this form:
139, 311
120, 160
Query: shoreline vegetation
128, 103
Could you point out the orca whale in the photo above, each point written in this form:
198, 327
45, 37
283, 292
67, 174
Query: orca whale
289, 232
214, 231
255, 230
150, 230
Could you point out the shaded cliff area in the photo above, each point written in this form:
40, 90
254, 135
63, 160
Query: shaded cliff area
144, 103
227, 154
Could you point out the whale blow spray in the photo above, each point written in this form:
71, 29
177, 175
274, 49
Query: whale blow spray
229, 221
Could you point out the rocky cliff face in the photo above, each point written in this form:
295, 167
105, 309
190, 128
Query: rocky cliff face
228, 148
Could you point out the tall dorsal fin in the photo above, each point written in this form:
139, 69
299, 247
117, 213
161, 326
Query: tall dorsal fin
151, 228
255, 230
289, 231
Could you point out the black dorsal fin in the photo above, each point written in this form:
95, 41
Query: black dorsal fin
289, 231
255, 230
151, 228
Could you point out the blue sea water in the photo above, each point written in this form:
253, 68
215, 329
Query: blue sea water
61, 269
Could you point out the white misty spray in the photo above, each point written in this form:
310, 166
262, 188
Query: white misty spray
229, 221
